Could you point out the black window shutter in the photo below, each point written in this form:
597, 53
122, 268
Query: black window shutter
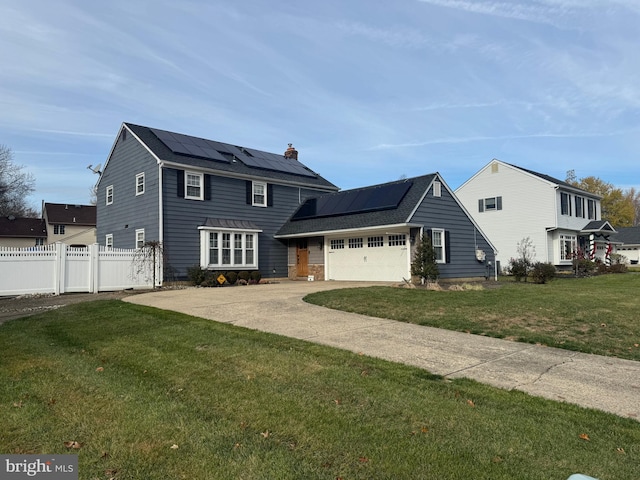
499, 203
249, 188
481, 205
207, 187
269, 195
180, 174
447, 246
429, 233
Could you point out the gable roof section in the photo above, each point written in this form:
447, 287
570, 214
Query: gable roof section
553, 180
628, 235
226, 159
336, 211
11, 227
61, 213
597, 226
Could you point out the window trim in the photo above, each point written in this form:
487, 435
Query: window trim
397, 240
249, 240
109, 195
336, 244
263, 194
442, 246
564, 238
139, 184
200, 176
108, 241
59, 229
565, 206
497, 204
139, 241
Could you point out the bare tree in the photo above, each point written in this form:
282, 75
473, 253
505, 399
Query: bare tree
15, 186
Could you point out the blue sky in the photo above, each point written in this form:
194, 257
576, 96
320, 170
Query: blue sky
367, 91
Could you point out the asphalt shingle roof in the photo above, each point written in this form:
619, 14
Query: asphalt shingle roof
392, 216
23, 227
551, 179
61, 213
628, 235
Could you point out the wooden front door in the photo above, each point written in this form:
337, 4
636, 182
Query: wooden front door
302, 258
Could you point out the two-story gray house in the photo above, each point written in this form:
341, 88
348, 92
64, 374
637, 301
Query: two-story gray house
209, 203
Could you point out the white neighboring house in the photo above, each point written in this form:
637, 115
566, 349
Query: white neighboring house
510, 203
628, 244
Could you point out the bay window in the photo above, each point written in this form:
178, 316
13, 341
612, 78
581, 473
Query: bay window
228, 249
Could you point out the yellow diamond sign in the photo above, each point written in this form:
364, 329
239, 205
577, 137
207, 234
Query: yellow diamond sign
221, 279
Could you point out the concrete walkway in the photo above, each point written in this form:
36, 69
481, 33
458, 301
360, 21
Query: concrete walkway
593, 381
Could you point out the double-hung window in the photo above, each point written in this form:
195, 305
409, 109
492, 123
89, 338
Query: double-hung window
591, 209
109, 195
108, 241
194, 185
488, 204
140, 183
579, 201
259, 194
437, 242
58, 229
140, 238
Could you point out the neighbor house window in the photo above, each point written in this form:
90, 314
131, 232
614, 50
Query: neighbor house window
337, 244
437, 189
397, 240
491, 203
567, 246
236, 249
39, 242
140, 183
355, 242
591, 209
108, 241
58, 229
140, 238
579, 201
193, 183
437, 241
565, 204
109, 194
375, 242
259, 194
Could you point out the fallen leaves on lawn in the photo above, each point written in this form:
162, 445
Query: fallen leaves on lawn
174, 447
584, 436
73, 444
470, 403
363, 459
100, 369
620, 450
265, 434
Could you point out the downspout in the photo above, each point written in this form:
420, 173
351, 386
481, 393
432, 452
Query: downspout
160, 222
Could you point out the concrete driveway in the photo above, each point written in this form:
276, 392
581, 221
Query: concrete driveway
593, 381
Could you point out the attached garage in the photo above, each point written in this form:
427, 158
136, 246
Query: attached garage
370, 233
377, 256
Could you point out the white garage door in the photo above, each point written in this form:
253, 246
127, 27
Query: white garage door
373, 258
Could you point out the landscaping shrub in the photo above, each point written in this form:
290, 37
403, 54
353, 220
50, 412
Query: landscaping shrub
255, 276
519, 268
244, 275
231, 277
196, 274
543, 272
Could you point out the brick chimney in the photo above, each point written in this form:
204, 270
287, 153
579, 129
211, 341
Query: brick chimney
291, 152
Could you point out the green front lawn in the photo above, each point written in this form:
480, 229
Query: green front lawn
598, 315
149, 394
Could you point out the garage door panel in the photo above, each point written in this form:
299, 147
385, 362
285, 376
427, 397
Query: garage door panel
369, 263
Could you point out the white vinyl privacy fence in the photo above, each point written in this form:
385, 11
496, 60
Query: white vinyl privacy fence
62, 269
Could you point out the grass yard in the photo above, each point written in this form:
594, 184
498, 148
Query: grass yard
149, 394
598, 315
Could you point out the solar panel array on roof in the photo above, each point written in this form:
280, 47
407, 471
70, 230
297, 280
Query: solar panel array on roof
191, 146
383, 197
279, 163
224, 152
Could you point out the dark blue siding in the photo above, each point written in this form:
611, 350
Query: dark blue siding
182, 218
128, 211
444, 212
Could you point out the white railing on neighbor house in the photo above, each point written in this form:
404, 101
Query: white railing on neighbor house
60, 269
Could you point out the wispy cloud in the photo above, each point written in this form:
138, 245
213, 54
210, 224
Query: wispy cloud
531, 11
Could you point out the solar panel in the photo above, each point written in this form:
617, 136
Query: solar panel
190, 146
383, 197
